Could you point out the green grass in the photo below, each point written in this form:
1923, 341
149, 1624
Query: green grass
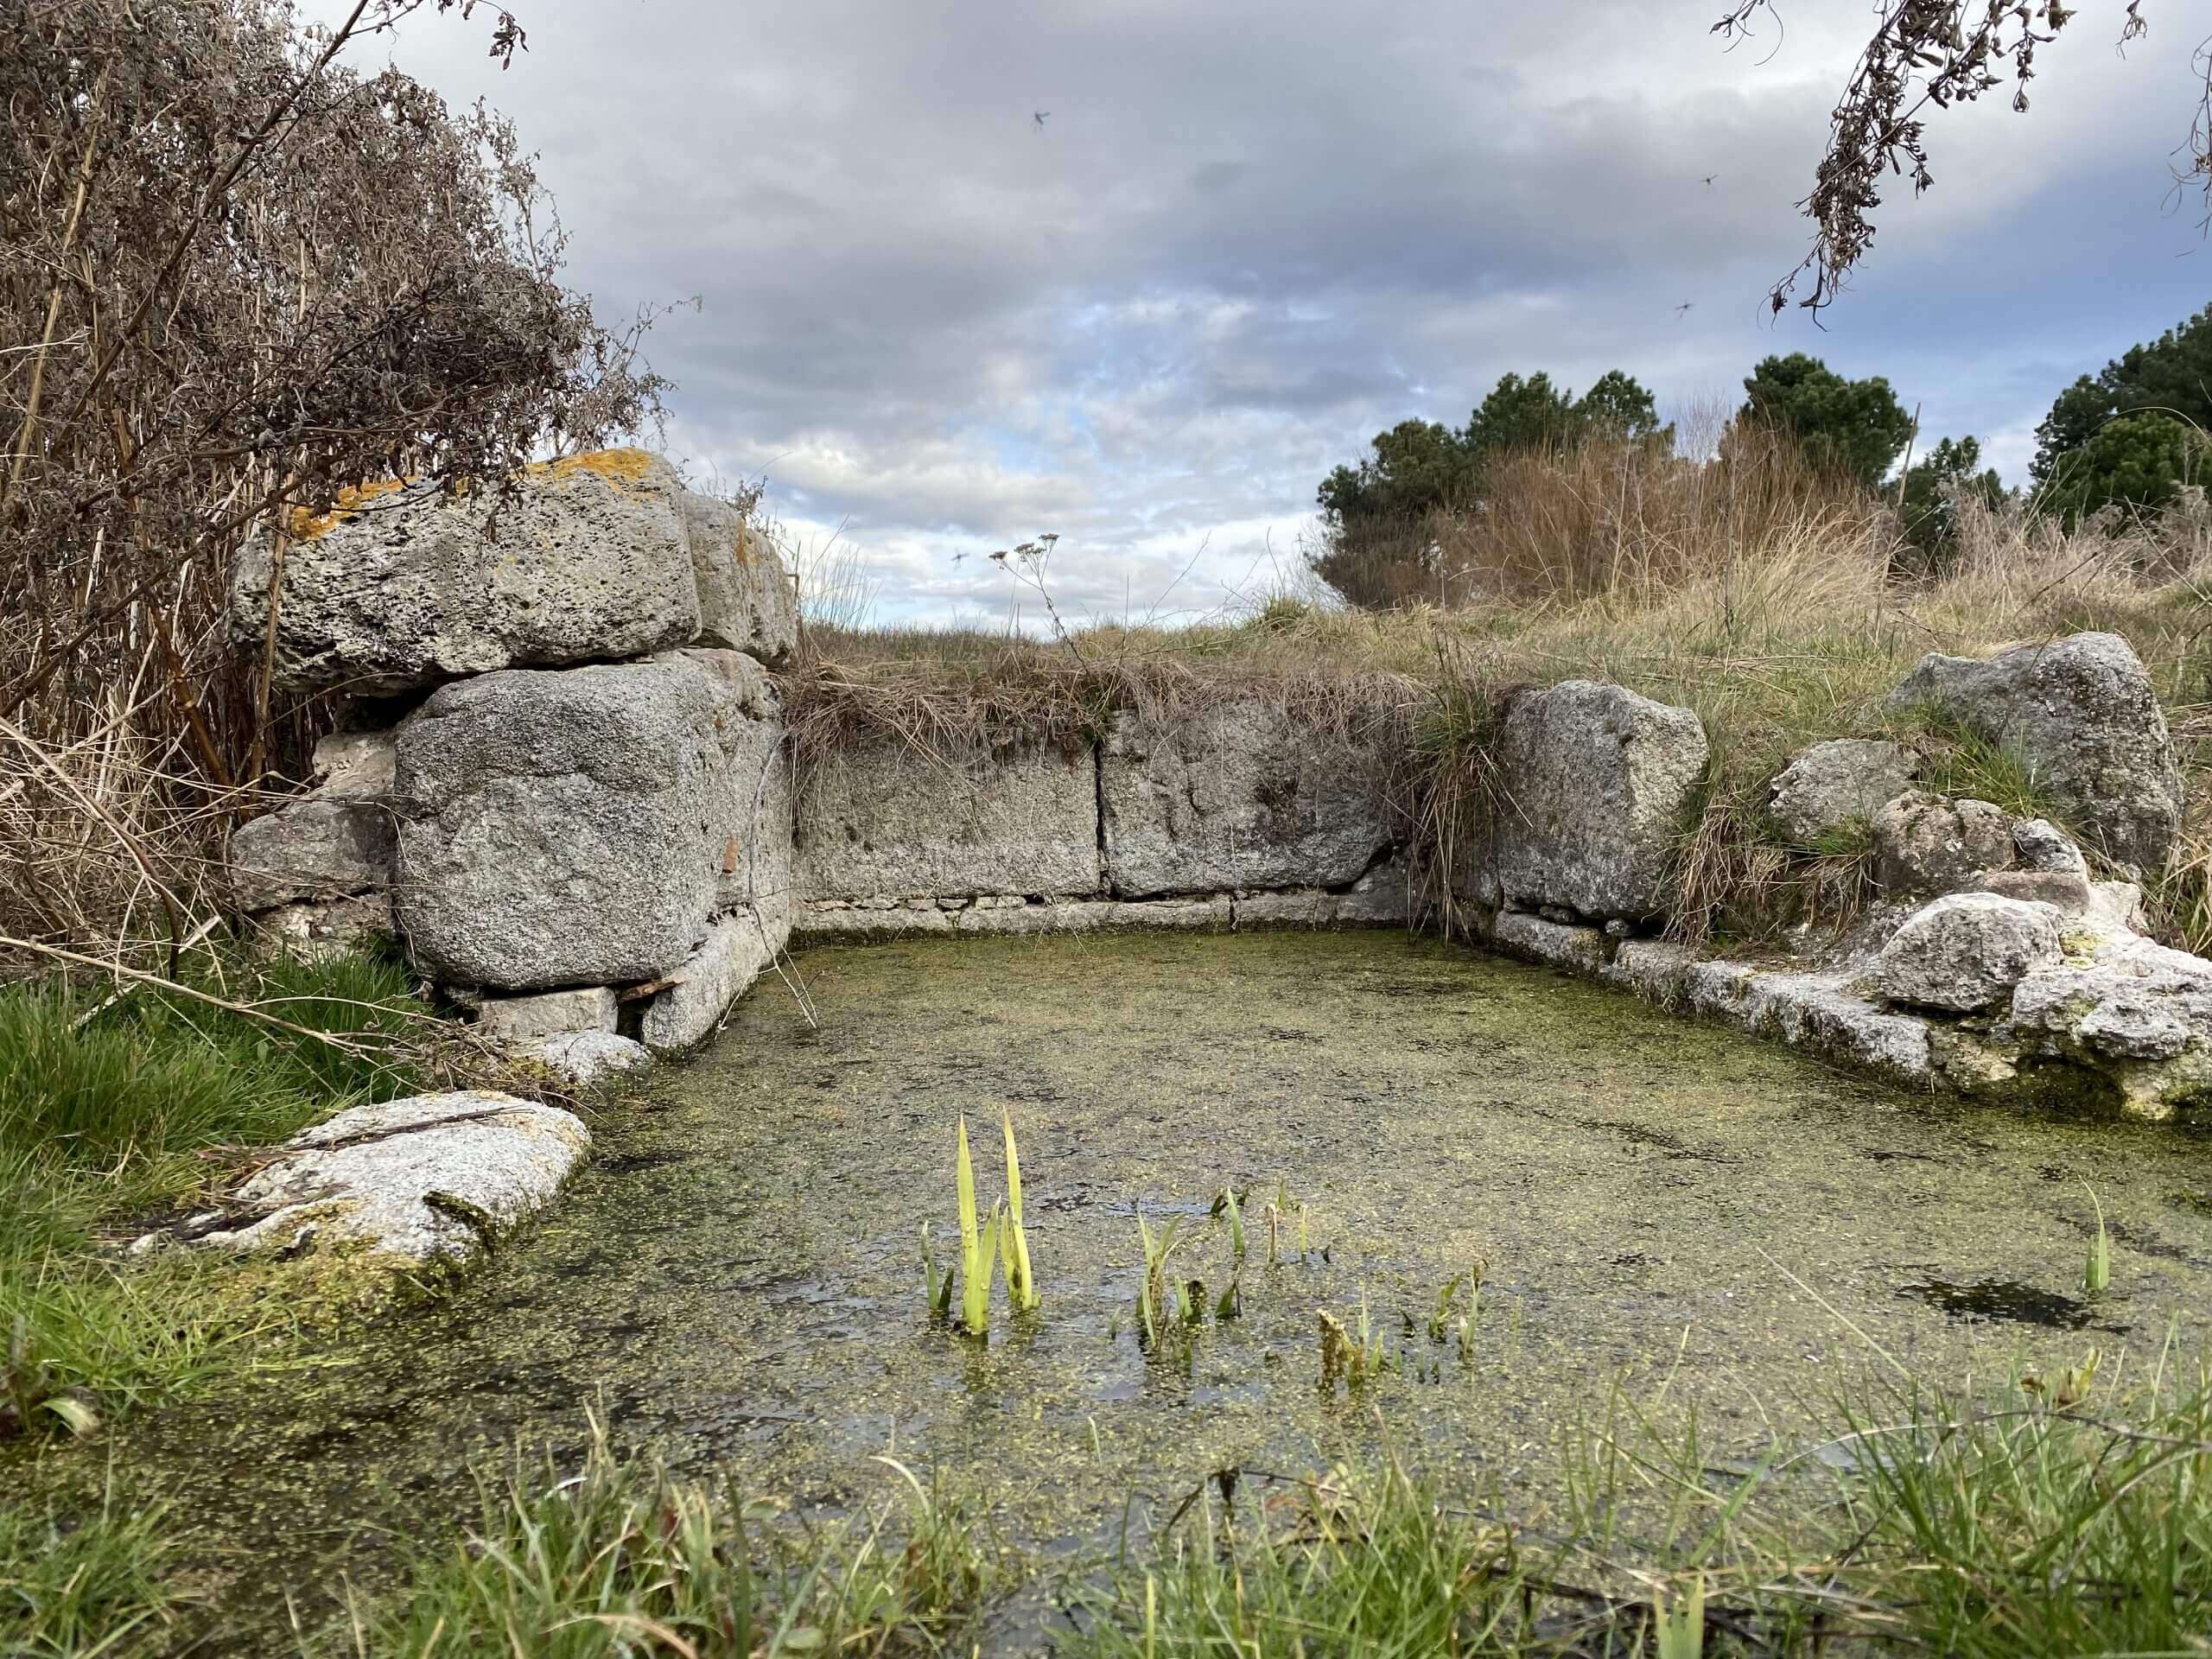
620, 1557
2036, 1522
75, 1585
109, 1113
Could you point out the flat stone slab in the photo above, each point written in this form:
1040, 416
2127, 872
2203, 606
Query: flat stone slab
549, 1014
428, 1177
738, 950
884, 820
406, 587
1240, 796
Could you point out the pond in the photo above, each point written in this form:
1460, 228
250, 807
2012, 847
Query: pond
1717, 1224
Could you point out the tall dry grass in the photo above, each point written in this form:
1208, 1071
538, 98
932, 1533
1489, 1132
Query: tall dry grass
1764, 596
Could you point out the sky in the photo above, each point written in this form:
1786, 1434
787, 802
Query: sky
1246, 235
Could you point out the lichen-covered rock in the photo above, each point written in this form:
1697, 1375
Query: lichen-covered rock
1600, 785
1966, 951
737, 950
2038, 844
882, 819
1927, 844
1831, 787
590, 1059
431, 1177
1242, 795
565, 827
311, 849
747, 601
408, 587
2133, 1000
2081, 714
548, 1013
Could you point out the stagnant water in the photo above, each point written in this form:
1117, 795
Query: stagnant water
737, 1277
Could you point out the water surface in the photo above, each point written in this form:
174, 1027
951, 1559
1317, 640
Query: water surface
737, 1277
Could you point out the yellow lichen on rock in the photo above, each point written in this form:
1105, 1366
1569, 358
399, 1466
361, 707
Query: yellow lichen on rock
620, 467
306, 526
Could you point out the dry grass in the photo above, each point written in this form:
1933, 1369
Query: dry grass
1764, 599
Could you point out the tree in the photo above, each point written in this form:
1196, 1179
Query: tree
1937, 53
1416, 466
1857, 427
1617, 406
1531, 413
1934, 487
2172, 374
2136, 460
1378, 546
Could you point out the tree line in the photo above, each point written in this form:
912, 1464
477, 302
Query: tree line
2126, 438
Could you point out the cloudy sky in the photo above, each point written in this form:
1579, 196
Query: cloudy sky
1249, 233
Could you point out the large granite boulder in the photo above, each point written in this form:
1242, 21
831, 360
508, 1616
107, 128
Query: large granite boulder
2081, 714
881, 819
431, 1177
408, 587
1832, 788
1600, 785
1966, 951
572, 826
1927, 843
1242, 795
747, 601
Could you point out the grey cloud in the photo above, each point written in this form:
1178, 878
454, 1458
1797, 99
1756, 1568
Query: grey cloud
1253, 233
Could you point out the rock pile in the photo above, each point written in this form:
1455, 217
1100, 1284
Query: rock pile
579, 822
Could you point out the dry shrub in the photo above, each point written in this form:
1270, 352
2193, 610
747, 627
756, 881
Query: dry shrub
1634, 521
235, 277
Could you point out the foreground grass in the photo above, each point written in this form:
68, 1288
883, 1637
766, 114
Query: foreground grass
2025, 1523
110, 1112
621, 1558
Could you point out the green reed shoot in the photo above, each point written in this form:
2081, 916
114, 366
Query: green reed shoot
1226, 1204
1157, 1300
1020, 1285
2096, 1274
978, 1248
1680, 1631
936, 1288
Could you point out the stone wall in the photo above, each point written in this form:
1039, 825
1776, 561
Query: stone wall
1244, 816
583, 824
580, 825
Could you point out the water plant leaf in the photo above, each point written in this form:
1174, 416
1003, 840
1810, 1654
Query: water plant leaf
976, 1291
1021, 1284
2097, 1273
